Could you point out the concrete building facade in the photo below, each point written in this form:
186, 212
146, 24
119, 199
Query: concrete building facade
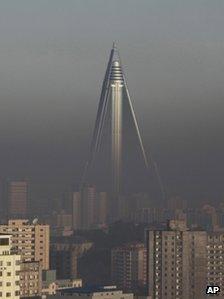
30, 279
89, 200
128, 266
106, 292
76, 210
17, 198
31, 240
9, 269
64, 252
177, 262
215, 261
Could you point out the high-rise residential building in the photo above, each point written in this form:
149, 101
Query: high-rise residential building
63, 258
61, 219
102, 208
30, 279
89, 199
128, 266
176, 203
31, 240
76, 210
9, 269
177, 262
64, 252
123, 206
89, 208
210, 217
17, 193
215, 261
149, 215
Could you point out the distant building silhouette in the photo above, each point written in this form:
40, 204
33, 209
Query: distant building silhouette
17, 198
102, 208
89, 201
128, 266
61, 220
76, 210
89, 208
64, 252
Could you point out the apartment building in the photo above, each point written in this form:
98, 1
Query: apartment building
128, 266
9, 269
177, 262
30, 240
30, 279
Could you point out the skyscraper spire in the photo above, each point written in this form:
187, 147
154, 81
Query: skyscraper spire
113, 94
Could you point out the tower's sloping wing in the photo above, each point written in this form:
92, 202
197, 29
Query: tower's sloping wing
114, 99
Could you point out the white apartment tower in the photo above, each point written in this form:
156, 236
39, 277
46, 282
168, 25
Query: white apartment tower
9, 269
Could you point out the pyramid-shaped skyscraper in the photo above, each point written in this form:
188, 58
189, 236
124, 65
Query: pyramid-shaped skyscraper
114, 99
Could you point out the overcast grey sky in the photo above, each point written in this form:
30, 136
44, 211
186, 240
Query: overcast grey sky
53, 55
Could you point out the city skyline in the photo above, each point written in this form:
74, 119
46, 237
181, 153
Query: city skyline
49, 81
111, 166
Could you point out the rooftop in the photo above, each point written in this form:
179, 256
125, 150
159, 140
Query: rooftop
89, 290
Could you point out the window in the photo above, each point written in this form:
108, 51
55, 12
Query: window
8, 284
4, 241
8, 294
8, 273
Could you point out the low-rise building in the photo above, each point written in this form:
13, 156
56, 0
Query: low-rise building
98, 292
51, 288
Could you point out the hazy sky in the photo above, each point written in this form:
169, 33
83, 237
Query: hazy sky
53, 56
